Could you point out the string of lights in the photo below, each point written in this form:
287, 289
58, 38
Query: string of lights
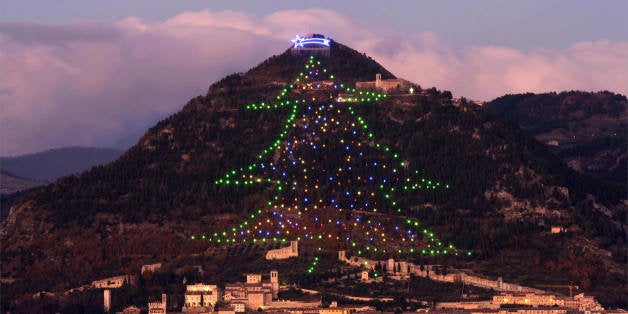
334, 183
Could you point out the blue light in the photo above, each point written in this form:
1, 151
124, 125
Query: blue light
310, 41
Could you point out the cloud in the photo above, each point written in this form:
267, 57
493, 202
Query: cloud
487, 72
30, 33
91, 83
85, 85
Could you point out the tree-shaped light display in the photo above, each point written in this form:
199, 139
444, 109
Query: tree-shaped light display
334, 183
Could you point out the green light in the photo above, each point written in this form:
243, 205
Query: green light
240, 178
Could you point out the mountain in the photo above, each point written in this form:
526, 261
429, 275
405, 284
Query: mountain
10, 183
585, 130
273, 155
52, 164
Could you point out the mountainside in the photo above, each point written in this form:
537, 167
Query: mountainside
273, 150
52, 164
586, 130
10, 183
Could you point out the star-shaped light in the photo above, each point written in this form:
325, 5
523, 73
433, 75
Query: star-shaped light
298, 41
301, 41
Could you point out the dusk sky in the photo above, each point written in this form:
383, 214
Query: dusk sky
99, 73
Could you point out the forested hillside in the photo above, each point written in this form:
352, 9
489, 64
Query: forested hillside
585, 130
505, 189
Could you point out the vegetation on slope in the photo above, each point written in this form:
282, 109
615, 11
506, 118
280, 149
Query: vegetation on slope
507, 188
586, 130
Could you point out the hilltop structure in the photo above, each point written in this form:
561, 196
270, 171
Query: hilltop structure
158, 306
384, 85
284, 252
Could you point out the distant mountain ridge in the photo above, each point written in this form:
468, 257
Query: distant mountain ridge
10, 183
47, 166
587, 130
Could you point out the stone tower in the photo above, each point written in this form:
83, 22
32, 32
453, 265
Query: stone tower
390, 266
295, 247
106, 297
342, 256
274, 282
378, 80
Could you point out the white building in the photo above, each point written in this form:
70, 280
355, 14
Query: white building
151, 268
284, 252
587, 303
158, 307
255, 293
201, 295
530, 299
557, 229
132, 310
111, 282
385, 85
238, 307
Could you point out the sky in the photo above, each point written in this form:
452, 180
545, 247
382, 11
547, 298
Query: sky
100, 73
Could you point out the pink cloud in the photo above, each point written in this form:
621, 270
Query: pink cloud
488, 72
92, 83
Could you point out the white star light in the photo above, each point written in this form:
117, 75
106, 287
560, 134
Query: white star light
298, 41
301, 41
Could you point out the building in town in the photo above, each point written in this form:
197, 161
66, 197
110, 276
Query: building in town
254, 293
